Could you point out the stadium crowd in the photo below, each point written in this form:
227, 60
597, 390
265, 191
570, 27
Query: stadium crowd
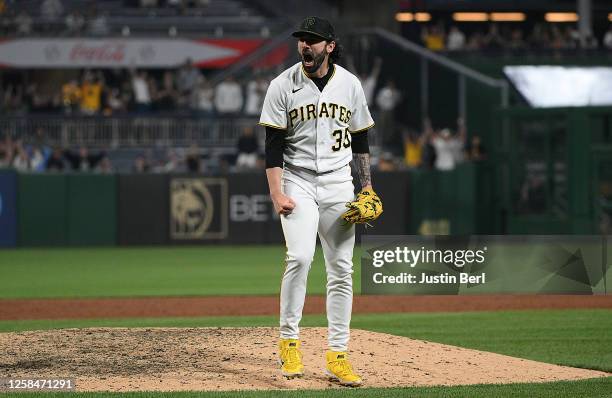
119, 91
497, 37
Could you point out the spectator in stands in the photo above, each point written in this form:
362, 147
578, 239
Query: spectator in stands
573, 37
75, 22
447, 146
8, 23
539, 37
12, 100
187, 78
193, 160
590, 42
31, 98
141, 165
203, 97
114, 103
475, 150
413, 149
83, 160
37, 159
23, 22
228, 97
607, 39
475, 42
6, 151
91, 93
455, 40
51, 10
386, 162
167, 97
255, 93
493, 40
433, 37
171, 163
387, 100
98, 25
516, 40
140, 87
105, 166
248, 149
71, 96
56, 160
21, 160
557, 41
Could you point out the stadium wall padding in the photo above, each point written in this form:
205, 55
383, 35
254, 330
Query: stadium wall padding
8, 208
444, 202
159, 209
143, 209
92, 210
67, 209
43, 207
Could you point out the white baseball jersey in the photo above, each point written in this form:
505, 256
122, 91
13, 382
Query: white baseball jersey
318, 124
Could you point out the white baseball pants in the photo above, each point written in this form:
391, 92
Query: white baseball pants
320, 201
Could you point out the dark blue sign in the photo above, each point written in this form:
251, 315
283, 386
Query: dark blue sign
8, 208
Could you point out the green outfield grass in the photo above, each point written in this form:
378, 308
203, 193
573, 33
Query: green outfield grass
123, 272
586, 388
579, 338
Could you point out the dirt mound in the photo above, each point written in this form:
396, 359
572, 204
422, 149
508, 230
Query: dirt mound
173, 359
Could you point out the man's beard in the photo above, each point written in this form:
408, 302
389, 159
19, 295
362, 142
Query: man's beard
312, 62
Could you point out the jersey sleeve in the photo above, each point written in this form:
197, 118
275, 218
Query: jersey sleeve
361, 119
274, 112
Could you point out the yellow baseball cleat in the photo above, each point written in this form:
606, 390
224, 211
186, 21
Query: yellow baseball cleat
339, 369
291, 358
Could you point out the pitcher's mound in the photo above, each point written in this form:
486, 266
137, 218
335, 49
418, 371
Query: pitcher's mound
172, 359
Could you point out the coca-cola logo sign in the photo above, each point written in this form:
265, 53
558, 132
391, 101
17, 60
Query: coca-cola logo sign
105, 52
121, 52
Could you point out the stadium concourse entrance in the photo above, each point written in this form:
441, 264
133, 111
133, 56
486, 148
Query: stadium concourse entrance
553, 170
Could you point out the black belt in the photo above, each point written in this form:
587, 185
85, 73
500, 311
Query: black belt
309, 171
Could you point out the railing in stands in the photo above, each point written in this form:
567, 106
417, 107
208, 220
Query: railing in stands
135, 131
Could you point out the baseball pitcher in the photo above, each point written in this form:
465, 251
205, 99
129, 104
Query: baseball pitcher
316, 120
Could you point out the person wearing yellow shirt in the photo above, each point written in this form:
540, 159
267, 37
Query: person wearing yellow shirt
413, 149
433, 38
71, 96
91, 96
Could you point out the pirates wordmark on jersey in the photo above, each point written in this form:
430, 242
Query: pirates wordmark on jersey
318, 124
310, 111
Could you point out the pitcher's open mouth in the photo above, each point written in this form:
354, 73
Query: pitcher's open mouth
308, 59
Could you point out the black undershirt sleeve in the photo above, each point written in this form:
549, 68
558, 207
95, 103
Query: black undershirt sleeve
359, 142
275, 146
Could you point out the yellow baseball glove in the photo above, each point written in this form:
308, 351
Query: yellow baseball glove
367, 207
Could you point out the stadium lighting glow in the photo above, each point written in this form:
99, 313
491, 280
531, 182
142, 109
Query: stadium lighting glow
422, 16
561, 17
409, 17
470, 16
507, 16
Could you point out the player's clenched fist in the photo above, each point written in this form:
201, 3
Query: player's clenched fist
283, 204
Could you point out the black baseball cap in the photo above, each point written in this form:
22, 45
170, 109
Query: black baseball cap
316, 26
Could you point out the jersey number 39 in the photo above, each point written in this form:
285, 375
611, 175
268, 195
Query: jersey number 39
343, 139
